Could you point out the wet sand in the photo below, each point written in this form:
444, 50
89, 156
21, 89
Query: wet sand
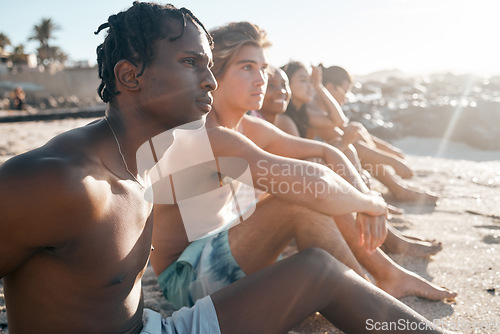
466, 220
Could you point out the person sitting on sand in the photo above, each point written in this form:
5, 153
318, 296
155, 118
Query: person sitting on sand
317, 117
18, 99
76, 229
188, 271
275, 104
338, 82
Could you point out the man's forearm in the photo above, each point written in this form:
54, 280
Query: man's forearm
332, 107
347, 199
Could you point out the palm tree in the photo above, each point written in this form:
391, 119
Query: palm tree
43, 33
18, 56
52, 54
4, 41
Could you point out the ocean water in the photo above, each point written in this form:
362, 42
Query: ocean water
441, 148
448, 107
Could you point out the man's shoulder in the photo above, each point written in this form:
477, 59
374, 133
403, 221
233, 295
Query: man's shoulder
48, 192
221, 133
254, 121
261, 132
228, 142
58, 166
254, 126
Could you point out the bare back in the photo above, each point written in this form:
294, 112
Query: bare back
77, 232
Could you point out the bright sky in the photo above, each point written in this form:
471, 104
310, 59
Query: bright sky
360, 35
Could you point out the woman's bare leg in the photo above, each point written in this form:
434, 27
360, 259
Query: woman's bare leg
401, 191
387, 147
396, 243
374, 156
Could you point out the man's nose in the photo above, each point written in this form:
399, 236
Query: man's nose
209, 81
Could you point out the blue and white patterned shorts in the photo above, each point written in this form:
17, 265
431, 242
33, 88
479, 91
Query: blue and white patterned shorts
205, 266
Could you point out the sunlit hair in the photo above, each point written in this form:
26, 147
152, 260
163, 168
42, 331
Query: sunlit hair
229, 39
336, 75
132, 36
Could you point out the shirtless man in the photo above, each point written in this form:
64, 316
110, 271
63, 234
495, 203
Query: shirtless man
76, 231
187, 271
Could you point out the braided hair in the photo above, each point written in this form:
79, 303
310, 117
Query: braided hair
132, 36
299, 116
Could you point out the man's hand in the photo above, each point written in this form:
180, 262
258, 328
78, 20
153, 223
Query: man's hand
371, 224
378, 205
372, 231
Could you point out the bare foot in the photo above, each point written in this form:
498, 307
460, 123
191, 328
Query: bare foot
398, 153
405, 283
416, 196
392, 150
395, 210
408, 245
401, 168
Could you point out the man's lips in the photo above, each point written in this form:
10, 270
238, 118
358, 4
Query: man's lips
259, 93
205, 103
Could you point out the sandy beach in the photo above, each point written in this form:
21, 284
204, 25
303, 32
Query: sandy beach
466, 220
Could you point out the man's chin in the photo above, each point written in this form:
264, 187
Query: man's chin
200, 118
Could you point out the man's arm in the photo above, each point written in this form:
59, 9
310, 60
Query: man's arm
38, 208
302, 182
275, 141
373, 229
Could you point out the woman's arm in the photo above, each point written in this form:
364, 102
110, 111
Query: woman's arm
326, 100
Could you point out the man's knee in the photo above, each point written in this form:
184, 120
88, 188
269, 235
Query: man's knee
318, 262
278, 212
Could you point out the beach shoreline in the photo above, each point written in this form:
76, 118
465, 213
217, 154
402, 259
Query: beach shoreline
466, 220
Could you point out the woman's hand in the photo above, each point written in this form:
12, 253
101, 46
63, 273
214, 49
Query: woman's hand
317, 77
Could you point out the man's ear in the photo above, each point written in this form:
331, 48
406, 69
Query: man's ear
126, 75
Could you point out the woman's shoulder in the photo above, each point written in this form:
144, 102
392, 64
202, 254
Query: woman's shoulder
286, 124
